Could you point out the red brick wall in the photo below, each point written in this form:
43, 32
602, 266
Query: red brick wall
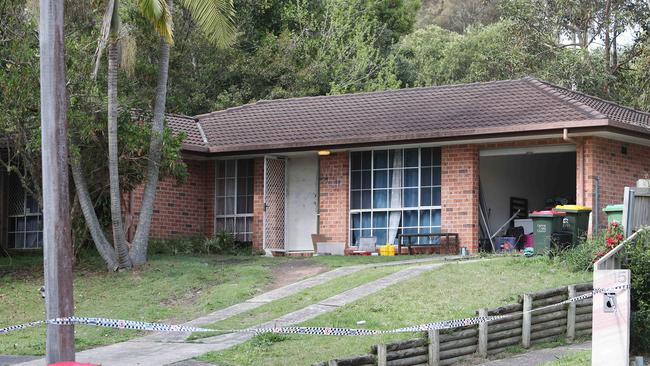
604, 159
460, 182
258, 202
181, 209
334, 201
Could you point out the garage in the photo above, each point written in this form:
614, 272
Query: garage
524, 179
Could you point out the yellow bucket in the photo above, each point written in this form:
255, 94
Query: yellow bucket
387, 250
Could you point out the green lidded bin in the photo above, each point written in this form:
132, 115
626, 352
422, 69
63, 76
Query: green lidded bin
614, 213
545, 223
576, 221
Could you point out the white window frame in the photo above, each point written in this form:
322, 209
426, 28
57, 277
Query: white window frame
372, 210
236, 216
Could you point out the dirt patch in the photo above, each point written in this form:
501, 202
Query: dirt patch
286, 273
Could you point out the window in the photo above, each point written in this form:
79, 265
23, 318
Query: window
25, 224
395, 191
234, 198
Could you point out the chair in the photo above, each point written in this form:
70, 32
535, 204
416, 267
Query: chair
368, 244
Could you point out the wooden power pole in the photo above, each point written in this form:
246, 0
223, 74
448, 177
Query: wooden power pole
57, 239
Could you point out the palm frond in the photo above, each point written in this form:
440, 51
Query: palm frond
159, 14
215, 18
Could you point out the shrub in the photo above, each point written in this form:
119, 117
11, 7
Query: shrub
225, 243
581, 257
638, 255
177, 246
222, 243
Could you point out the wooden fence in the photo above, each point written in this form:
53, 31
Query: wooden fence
446, 347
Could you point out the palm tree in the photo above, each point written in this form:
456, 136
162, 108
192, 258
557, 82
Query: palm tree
215, 18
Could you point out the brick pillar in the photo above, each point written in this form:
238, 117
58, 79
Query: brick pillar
334, 201
209, 199
258, 203
460, 182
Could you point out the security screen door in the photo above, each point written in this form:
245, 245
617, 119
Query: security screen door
275, 186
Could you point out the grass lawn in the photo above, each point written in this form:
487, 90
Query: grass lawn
300, 300
453, 291
168, 288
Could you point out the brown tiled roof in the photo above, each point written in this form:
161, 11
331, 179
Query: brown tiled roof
415, 114
189, 125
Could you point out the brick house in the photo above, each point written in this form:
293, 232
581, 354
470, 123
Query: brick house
409, 160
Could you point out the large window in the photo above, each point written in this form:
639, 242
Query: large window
25, 224
234, 198
394, 191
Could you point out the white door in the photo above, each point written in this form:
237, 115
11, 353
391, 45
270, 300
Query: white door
302, 202
274, 203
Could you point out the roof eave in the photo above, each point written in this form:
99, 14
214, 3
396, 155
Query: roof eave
528, 129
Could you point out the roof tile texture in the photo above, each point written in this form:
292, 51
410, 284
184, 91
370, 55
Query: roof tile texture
401, 115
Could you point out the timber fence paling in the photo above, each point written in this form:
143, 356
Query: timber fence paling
561, 314
518, 328
511, 324
396, 346
457, 352
508, 333
583, 326
446, 346
406, 353
410, 361
549, 301
462, 334
504, 342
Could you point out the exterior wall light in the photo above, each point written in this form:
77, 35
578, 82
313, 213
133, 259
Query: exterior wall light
324, 152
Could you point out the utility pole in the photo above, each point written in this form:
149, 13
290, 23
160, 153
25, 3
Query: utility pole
57, 238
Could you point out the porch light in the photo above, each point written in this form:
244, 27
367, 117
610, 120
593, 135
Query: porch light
324, 152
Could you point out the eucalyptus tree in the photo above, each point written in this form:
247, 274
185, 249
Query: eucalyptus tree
215, 18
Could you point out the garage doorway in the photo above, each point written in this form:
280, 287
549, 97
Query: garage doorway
532, 178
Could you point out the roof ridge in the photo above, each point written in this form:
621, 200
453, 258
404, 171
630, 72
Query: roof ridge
180, 115
346, 95
610, 102
551, 89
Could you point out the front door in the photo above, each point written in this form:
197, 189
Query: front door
302, 202
274, 203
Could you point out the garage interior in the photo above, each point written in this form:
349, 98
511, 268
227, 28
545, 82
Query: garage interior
530, 179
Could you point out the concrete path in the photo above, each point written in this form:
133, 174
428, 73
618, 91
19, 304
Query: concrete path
161, 349
540, 356
12, 360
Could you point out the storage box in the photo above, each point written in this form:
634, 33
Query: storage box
527, 224
330, 248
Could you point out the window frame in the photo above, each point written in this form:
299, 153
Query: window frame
372, 210
247, 235
11, 229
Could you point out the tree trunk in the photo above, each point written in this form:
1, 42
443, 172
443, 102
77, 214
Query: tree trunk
57, 235
141, 239
102, 244
119, 237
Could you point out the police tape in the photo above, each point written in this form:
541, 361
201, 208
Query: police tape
326, 331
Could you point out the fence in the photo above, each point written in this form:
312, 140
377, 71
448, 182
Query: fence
446, 347
636, 211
